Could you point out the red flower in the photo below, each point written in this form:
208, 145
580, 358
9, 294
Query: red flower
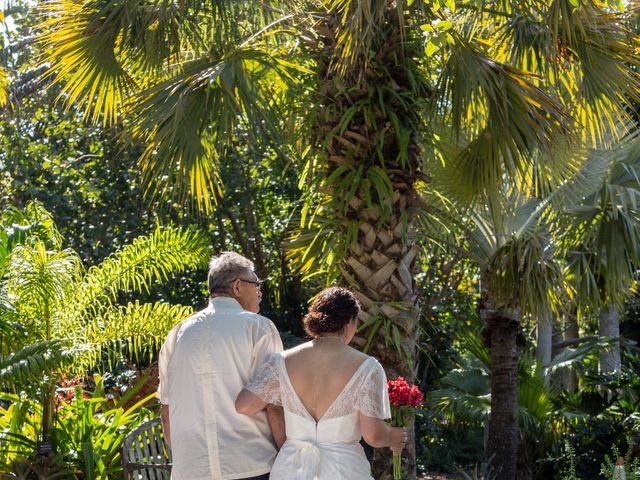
402, 394
403, 397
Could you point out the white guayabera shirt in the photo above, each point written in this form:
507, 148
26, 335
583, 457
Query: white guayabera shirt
204, 364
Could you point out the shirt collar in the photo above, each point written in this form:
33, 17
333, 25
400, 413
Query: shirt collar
224, 303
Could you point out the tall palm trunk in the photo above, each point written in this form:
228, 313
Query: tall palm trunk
544, 339
609, 326
501, 332
368, 123
46, 444
569, 379
383, 263
503, 425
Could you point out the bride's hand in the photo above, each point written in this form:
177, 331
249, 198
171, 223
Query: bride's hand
397, 439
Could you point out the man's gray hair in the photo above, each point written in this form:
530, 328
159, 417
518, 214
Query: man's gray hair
225, 268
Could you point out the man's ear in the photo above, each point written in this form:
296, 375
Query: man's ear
235, 288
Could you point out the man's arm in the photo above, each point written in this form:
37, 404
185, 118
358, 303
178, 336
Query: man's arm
275, 415
248, 403
166, 427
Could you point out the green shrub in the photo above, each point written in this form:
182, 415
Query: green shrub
88, 433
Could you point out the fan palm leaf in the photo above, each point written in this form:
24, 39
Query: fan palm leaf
603, 227
190, 119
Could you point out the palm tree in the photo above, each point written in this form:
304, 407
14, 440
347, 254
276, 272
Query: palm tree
542, 415
349, 86
601, 235
70, 315
518, 277
523, 266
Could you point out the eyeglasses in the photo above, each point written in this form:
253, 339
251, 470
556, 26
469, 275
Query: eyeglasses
257, 283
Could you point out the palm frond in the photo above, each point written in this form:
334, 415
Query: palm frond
525, 273
607, 80
534, 400
137, 328
190, 120
461, 407
602, 229
359, 24
136, 267
503, 124
39, 280
30, 363
573, 357
84, 46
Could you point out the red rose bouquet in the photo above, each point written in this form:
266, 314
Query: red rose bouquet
404, 399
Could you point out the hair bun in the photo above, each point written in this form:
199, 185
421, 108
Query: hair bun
330, 311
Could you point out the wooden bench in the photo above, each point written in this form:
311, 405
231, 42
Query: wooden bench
144, 453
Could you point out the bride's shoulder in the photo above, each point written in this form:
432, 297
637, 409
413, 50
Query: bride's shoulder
372, 363
292, 352
358, 355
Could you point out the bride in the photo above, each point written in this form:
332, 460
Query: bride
332, 396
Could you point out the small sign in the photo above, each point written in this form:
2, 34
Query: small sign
45, 448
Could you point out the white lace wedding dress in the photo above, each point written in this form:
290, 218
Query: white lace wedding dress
327, 449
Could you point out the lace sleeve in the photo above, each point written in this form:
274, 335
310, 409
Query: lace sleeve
373, 400
266, 382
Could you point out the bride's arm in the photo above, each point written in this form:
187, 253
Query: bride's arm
248, 403
377, 433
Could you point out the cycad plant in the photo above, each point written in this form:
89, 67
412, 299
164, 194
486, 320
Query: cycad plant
72, 314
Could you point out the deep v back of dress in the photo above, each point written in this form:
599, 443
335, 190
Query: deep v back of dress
326, 449
319, 372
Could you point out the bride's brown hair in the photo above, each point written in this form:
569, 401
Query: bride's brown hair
330, 311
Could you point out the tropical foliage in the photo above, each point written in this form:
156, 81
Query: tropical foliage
89, 430
304, 131
69, 317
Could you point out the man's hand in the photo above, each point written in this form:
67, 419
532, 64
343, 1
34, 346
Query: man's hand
275, 415
166, 428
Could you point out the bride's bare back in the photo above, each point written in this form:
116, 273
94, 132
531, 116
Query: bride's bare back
319, 370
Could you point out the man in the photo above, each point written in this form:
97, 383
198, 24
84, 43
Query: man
204, 363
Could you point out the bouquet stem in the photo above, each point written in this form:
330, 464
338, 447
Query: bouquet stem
397, 466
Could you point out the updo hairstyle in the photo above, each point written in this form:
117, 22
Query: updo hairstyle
330, 311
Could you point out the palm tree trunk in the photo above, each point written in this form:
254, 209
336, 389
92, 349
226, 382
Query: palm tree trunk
569, 379
46, 446
382, 264
609, 326
501, 329
544, 339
